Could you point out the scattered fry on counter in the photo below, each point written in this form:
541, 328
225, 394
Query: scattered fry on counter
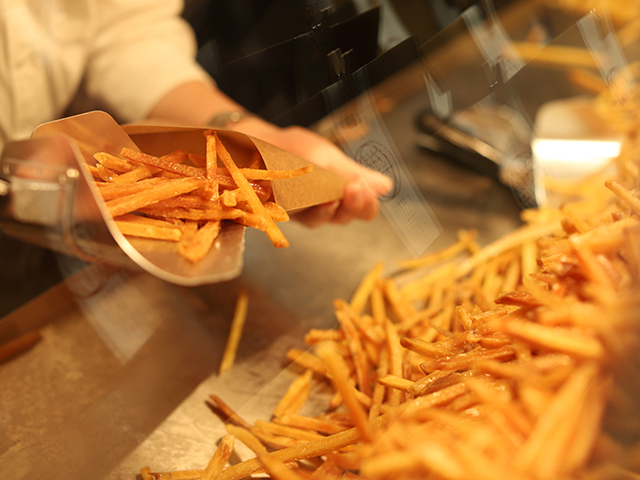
237, 324
185, 198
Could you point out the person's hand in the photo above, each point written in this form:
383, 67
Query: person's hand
360, 199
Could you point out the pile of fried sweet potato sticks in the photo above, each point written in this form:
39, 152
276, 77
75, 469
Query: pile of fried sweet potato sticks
518, 359
185, 198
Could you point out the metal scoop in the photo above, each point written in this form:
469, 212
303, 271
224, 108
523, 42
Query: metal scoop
50, 199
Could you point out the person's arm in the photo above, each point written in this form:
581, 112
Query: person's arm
142, 65
195, 103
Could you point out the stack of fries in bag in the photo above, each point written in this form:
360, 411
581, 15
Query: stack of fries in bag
185, 198
514, 360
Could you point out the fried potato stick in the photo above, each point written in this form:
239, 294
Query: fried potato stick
287, 431
202, 215
314, 448
112, 162
109, 191
272, 231
625, 195
229, 413
307, 360
336, 367
277, 469
365, 288
262, 174
235, 333
146, 474
212, 190
310, 423
198, 244
245, 436
151, 161
168, 189
295, 396
145, 230
219, 458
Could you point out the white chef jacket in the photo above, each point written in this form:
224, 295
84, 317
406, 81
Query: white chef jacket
124, 54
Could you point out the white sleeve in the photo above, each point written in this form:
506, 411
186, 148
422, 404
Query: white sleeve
142, 51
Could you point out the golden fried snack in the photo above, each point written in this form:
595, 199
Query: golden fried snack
256, 206
185, 199
237, 324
